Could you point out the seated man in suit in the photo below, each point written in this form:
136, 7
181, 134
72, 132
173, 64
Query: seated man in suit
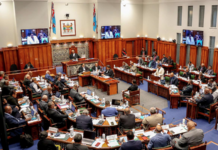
186, 74
30, 73
156, 57
75, 95
77, 144
96, 67
170, 61
209, 71
74, 55
2, 74
173, 79
13, 122
152, 120
159, 140
84, 122
47, 92
27, 81
60, 85
159, 71
153, 52
49, 77
134, 86
164, 59
109, 72
45, 143
212, 85
124, 53
125, 65
127, 121
140, 60
187, 90
83, 68
143, 52
6, 77
152, 63
28, 66
63, 79
35, 86
215, 94
201, 77
131, 144
15, 109
43, 105
133, 67
158, 63
202, 68
56, 116
190, 66
6, 89
205, 101
109, 111
193, 137
12, 99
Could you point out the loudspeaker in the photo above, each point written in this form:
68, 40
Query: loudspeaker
158, 38
67, 15
174, 41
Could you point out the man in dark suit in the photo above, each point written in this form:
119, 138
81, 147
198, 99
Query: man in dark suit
84, 122
202, 68
186, 74
127, 121
131, 144
12, 99
15, 109
156, 57
83, 68
77, 145
27, 81
164, 59
49, 77
47, 92
60, 85
173, 79
74, 55
143, 52
134, 86
124, 53
28, 66
55, 115
109, 111
96, 67
140, 60
44, 103
45, 143
170, 61
187, 90
109, 72
152, 63
75, 95
13, 122
205, 101
6, 89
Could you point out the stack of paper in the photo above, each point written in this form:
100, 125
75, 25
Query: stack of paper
111, 121
97, 141
113, 143
149, 134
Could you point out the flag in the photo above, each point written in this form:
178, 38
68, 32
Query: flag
53, 18
94, 19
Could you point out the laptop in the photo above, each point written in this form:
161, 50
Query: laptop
89, 92
88, 137
115, 102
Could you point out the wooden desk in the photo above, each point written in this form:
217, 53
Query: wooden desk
71, 67
174, 100
146, 71
125, 76
119, 61
167, 68
191, 110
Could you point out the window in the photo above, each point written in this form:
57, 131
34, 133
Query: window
214, 16
179, 18
190, 13
211, 50
201, 16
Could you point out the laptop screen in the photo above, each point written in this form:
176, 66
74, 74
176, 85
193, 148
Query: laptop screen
89, 92
115, 102
89, 135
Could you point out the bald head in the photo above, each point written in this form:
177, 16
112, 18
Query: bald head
191, 125
171, 74
28, 76
153, 110
158, 128
206, 91
49, 89
45, 98
127, 111
59, 73
8, 109
47, 72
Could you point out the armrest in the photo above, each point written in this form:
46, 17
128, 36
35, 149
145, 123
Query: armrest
16, 128
163, 112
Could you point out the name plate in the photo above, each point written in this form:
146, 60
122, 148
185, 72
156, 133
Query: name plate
53, 129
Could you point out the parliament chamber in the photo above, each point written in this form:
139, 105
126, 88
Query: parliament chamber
108, 74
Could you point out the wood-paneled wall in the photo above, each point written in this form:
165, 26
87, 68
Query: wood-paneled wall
193, 54
204, 55
215, 62
167, 48
182, 55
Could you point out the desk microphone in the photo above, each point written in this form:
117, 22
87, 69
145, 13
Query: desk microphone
172, 120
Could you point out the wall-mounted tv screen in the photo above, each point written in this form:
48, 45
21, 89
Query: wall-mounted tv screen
193, 37
34, 36
110, 32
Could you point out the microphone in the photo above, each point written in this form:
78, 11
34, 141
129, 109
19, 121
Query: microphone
172, 120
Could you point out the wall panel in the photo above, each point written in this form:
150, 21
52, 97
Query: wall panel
215, 62
193, 54
2, 66
10, 57
204, 55
182, 55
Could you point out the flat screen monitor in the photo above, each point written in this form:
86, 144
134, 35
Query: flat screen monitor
193, 37
110, 32
89, 135
34, 36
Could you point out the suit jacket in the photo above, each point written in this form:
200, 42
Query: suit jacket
131, 145
205, 101
30, 67
46, 144
193, 138
140, 61
159, 72
73, 93
133, 87
145, 52
27, 82
84, 122
109, 73
60, 85
209, 71
187, 90
12, 101
215, 95
109, 112
133, 68
56, 116
75, 56
203, 80
49, 78
76, 146
191, 67
164, 60
152, 121
124, 53
81, 69
170, 62
6, 90
202, 69
14, 122
43, 105
94, 68
127, 121
186, 75
212, 86
174, 80
152, 64
45, 92
159, 140
156, 58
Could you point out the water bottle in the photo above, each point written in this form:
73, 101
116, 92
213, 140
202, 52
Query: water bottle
103, 137
71, 131
78, 113
188, 79
183, 121
102, 116
133, 130
38, 117
0, 89
70, 105
127, 103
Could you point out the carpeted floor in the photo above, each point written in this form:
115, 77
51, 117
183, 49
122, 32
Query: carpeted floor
149, 100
